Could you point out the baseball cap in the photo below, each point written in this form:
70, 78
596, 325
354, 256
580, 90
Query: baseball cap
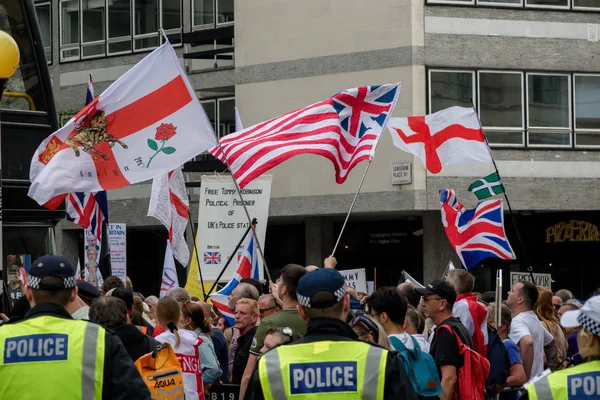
124, 294
440, 288
51, 266
588, 316
321, 280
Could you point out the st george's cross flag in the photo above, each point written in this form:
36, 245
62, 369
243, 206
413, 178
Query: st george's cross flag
247, 268
344, 128
169, 275
169, 203
450, 136
145, 124
475, 234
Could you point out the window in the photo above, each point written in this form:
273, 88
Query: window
587, 110
500, 2
224, 11
547, 3
586, 4
450, 88
226, 115
44, 17
538, 4
549, 109
95, 28
203, 12
211, 112
501, 106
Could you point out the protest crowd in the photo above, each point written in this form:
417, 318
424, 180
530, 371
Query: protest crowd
307, 335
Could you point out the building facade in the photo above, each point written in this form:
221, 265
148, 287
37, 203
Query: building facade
530, 67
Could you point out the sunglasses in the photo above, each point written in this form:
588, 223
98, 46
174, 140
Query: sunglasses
367, 325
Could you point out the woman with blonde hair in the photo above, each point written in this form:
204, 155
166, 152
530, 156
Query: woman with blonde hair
544, 309
185, 343
579, 382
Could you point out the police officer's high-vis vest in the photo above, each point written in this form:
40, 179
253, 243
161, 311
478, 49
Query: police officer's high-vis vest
324, 370
577, 383
52, 358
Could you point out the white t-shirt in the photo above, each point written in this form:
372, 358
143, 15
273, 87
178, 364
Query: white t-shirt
188, 354
423, 343
404, 338
528, 324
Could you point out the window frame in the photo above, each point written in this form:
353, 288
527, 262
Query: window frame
546, 7
203, 26
583, 130
218, 122
550, 129
483, 3
83, 44
220, 24
71, 46
473, 80
119, 39
523, 128
580, 8
49, 4
451, 2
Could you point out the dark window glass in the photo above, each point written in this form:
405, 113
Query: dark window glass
501, 99
451, 89
548, 97
587, 102
204, 12
547, 3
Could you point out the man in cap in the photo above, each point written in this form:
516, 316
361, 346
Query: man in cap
329, 361
582, 381
79, 308
66, 357
437, 300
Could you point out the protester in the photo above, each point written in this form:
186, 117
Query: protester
565, 295
268, 306
111, 312
178, 294
571, 334
323, 302
80, 307
580, 382
138, 314
288, 317
388, 307
246, 317
526, 330
192, 318
256, 283
104, 371
241, 291
279, 336
110, 283
516, 375
407, 290
556, 304
354, 302
545, 311
185, 343
415, 326
15, 284
219, 342
472, 314
438, 299
370, 330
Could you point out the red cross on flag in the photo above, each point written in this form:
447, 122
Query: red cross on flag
147, 123
450, 136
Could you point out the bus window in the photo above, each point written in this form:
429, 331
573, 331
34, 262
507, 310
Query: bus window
23, 91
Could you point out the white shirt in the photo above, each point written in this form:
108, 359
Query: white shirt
528, 324
404, 338
423, 343
188, 354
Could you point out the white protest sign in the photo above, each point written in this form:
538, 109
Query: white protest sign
222, 222
356, 278
544, 280
118, 250
92, 248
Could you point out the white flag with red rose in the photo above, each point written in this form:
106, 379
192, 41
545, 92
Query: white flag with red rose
145, 124
169, 203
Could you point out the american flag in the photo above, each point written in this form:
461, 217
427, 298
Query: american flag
212, 257
247, 268
475, 234
344, 128
88, 210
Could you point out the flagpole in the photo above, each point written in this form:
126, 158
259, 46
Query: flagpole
250, 220
196, 251
254, 221
512, 214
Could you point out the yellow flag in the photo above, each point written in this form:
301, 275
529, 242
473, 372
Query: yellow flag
192, 285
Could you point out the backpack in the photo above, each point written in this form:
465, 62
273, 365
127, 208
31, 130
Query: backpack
470, 384
497, 355
420, 368
161, 372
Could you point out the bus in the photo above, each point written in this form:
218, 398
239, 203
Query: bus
27, 116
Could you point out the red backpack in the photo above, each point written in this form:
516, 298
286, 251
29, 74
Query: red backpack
473, 374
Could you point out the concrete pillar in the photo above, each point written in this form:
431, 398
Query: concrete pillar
67, 241
436, 248
318, 234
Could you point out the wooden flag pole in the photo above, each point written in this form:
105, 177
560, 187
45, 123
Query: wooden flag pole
512, 214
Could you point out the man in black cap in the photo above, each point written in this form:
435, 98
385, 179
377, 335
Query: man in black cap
329, 361
437, 301
79, 308
51, 355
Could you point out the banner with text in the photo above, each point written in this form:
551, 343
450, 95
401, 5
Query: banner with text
117, 241
543, 280
222, 222
356, 278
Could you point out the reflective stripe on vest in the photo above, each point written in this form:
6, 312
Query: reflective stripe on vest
577, 383
55, 356
324, 369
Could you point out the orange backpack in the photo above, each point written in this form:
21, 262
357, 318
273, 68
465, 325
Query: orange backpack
161, 372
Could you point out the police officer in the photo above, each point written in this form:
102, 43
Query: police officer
329, 362
51, 356
582, 381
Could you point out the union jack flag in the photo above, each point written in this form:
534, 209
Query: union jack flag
247, 268
212, 257
344, 128
475, 234
88, 210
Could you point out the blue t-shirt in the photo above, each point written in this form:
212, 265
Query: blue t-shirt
222, 352
574, 349
514, 358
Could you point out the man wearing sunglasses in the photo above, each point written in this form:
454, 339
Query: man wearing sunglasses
329, 361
